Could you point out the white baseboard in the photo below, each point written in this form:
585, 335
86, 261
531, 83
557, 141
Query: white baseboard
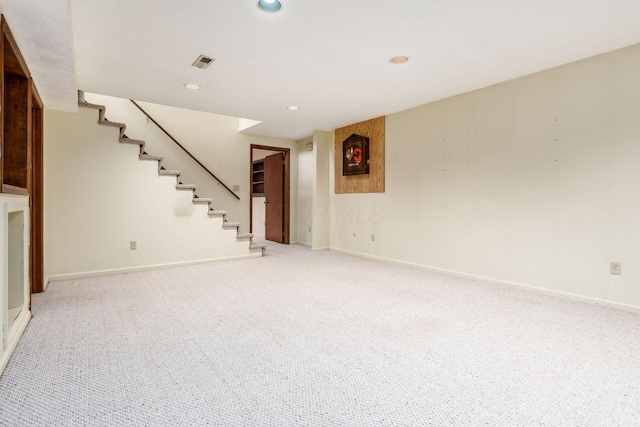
544, 291
308, 245
323, 248
97, 273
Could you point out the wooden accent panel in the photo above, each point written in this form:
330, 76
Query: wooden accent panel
373, 182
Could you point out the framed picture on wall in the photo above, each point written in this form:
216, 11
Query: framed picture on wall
355, 155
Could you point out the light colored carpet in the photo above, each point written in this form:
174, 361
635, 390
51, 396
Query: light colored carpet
318, 339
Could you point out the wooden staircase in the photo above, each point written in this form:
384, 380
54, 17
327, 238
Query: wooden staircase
162, 171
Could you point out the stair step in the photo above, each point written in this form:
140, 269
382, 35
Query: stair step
202, 200
217, 213
140, 142
241, 236
192, 187
86, 104
113, 124
150, 157
168, 172
231, 225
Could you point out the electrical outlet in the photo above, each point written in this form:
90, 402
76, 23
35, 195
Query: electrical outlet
133, 245
615, 268
373, 237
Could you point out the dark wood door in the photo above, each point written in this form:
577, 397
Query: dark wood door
274, 198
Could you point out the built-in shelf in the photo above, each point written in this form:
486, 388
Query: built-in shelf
257, 180
15, 117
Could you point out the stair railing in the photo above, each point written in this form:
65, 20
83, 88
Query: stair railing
184, 149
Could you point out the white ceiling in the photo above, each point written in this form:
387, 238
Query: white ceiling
328, 57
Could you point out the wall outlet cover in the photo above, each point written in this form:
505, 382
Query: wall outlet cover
615, 268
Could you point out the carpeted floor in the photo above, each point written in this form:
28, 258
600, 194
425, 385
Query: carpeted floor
317, 339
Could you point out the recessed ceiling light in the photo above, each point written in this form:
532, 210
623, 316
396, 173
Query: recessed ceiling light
400, 59
292, 108
269, 5
192, 86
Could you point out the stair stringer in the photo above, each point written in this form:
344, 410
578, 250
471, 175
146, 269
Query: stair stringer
186, 192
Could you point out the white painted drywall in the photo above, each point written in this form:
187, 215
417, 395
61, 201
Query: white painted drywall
259, 217
157, 143
306, 176
215, 141
99, 196
534, 181
259, 154
322, 149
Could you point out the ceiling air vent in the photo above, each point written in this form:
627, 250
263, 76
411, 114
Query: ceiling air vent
203, 62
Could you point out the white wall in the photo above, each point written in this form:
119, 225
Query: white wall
534, 181
259, 217
99, 196
259, 154
322, 150
306, 175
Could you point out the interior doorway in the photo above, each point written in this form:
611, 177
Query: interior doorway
269, 206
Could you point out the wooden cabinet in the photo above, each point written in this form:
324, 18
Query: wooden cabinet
257, 179
21, 143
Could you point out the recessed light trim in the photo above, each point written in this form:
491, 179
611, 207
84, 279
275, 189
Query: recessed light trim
292, 108
270, 6
400, 59
191, 86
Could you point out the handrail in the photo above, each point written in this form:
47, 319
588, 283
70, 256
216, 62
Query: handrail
184, 149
